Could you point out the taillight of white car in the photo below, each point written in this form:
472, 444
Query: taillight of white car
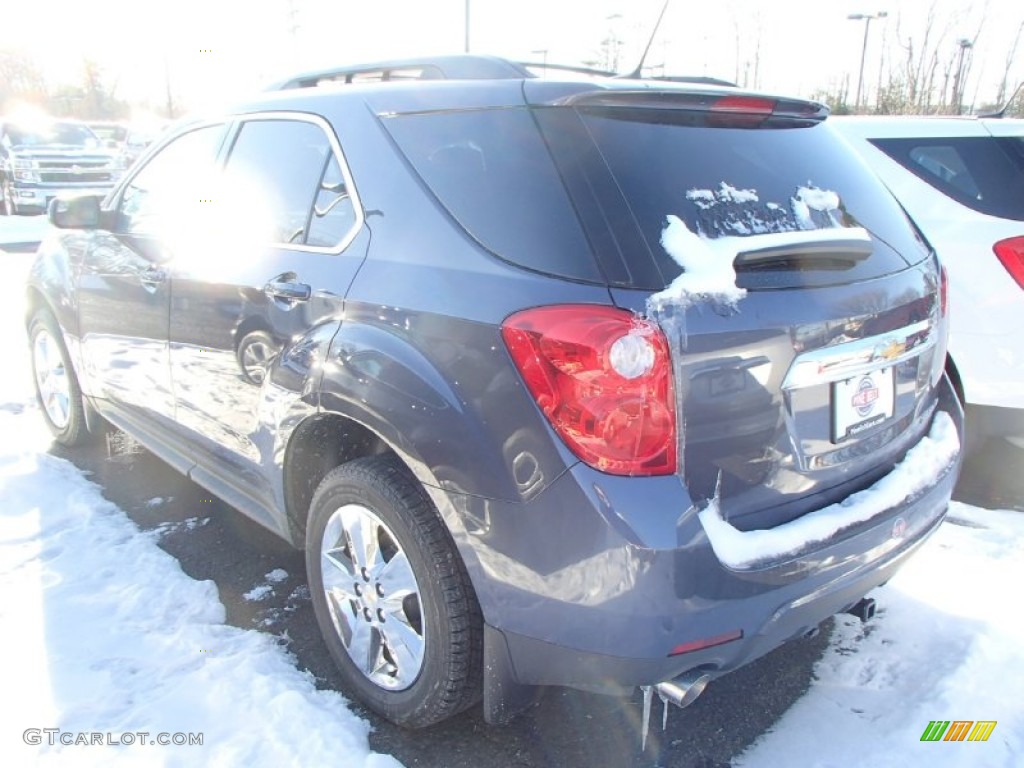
1011, 254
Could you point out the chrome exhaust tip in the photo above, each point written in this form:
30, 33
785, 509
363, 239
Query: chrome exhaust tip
682, 691
685, 689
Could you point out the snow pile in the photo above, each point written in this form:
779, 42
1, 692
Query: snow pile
707, 268
947, 644
259, 593
276, 576
824, 201
920, 468
18, 230
726, 193
112, 636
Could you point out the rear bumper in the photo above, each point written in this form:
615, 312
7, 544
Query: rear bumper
613, 622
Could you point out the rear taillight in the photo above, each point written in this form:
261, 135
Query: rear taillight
603, 378
1011, 254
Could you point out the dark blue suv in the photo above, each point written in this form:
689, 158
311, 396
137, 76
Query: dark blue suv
597, 384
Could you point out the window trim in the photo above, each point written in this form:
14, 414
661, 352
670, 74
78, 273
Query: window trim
232, 124
235, 123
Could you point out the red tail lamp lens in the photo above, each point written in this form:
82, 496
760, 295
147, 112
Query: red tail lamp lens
603, 379
1011, 254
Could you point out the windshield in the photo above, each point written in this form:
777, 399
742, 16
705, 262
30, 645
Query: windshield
51, 133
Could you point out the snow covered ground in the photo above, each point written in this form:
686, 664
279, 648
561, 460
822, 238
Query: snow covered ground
947, 644
23, 229
103, 632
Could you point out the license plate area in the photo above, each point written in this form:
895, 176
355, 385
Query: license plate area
862, 402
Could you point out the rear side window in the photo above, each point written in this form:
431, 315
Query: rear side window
984, 173
492, 172
333, 214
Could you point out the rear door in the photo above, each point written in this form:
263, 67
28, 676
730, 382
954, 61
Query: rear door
283, 242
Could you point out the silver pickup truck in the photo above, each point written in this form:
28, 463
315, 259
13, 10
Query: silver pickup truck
41, 160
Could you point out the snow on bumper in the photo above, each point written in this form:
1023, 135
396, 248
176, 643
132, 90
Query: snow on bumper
922, 466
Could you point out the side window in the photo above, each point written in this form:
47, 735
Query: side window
173, 184
984, 173
273, 177
333, 213
945, 163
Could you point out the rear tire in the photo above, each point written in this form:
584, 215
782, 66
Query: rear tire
57, 390
391, 594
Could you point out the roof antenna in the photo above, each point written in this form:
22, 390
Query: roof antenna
636, 73
1002, 112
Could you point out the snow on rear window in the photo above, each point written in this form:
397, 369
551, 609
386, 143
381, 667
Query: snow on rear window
729, 210
707, 264
708, 260
923, 465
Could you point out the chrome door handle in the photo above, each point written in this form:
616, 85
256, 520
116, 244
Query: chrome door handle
151, 278
285, 287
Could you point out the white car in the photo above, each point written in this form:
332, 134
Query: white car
961, 179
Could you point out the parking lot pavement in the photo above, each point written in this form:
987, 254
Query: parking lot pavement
993, 477
262, 581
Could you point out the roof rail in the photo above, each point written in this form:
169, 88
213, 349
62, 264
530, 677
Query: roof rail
455, 67
462, 66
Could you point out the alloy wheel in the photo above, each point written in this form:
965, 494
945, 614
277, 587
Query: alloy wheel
373, 597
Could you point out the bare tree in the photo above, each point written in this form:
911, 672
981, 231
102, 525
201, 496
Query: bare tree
20, 78
1011, 56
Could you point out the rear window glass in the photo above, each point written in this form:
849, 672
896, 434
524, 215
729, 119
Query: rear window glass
739, 182
491, 171
984, 173
586, 192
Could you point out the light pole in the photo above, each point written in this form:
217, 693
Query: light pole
867, 17
958, 82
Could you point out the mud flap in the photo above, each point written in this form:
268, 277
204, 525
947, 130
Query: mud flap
504, 697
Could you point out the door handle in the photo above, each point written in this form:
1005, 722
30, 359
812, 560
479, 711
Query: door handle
287, 288
151, 278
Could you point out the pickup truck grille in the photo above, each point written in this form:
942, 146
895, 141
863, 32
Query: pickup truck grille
73, 177
71, 172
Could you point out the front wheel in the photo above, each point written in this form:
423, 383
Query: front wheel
391, 594
57, 387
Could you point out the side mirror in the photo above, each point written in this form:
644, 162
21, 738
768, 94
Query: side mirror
82, 212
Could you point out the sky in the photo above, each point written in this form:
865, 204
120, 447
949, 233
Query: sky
214, 49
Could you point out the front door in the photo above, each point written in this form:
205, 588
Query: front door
123, 286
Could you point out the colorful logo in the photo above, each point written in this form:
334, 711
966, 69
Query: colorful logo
865, 396
958, 730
